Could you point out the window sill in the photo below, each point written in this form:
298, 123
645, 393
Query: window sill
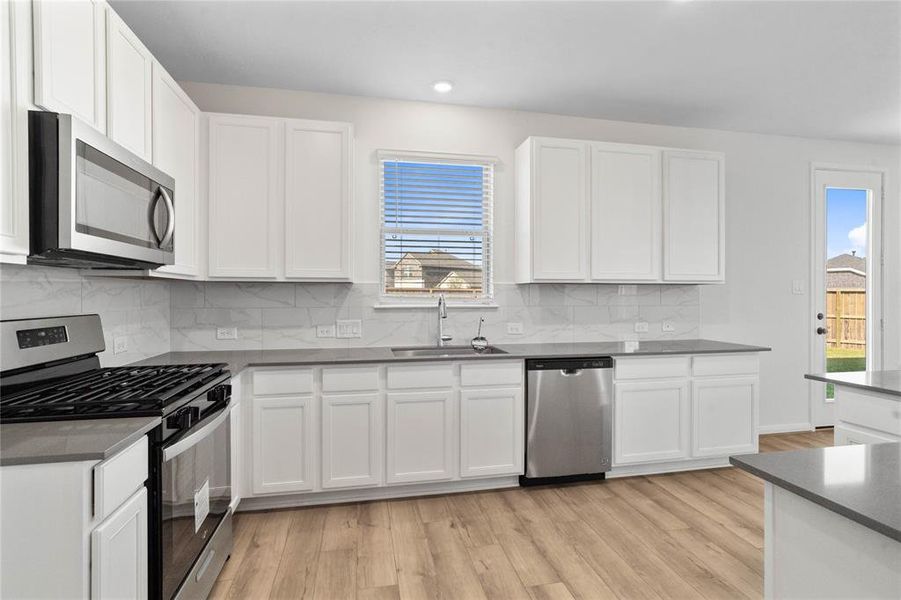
434, 305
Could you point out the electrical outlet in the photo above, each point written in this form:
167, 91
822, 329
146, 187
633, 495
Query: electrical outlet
120, 344
668, 326
325, 331
514, 329
349, 328
641, 327
226, 333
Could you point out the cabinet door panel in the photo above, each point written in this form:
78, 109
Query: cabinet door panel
694, 221
129, 75
419, 436
351, 440
69, 59
119, 552
559, 210
651, 421
282, 444
625, 213
176, 151
318, 182
244, 196
491, 432
725, 416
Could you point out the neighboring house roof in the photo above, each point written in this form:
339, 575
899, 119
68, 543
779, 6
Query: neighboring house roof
439, 259
435, 268
846, 271
847, 262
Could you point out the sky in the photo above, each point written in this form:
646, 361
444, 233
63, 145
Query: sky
846, 220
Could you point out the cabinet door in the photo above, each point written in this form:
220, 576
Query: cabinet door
119, 552
69, 59
420, 436
129, 75
491, 432
318, 192
559, 210
282, 444
846, 435
724, 416
351, 440
625, 213
244, 196
693, 216
650, 421
176, 151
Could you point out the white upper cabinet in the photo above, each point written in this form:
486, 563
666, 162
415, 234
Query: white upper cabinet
552, 200
176, 151
129, 74
693, 216
625, 213
70, 57
595, 211
318, 185
244, 195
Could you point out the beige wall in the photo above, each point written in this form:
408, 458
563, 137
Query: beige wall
767, 209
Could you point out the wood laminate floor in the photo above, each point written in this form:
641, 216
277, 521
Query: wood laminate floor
697, 534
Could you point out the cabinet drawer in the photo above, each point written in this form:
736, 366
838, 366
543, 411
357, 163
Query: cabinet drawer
846, 435
350, 379
282, 381
875, 412
652, 367
491, 373
725, 364
423, 375
117, 478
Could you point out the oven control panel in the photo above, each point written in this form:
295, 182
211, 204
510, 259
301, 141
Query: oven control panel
44, 336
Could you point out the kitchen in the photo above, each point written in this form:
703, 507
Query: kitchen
676, 253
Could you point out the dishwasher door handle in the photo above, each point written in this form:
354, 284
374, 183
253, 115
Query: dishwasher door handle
570, 372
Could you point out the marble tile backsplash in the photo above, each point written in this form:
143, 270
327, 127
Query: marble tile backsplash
137, 309
285, 315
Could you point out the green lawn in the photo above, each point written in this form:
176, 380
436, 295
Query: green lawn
842, 360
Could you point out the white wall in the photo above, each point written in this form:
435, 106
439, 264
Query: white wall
767, 199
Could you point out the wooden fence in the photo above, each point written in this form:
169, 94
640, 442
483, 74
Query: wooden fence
846, 318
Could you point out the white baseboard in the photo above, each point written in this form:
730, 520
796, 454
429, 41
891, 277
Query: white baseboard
784, 428
668, 467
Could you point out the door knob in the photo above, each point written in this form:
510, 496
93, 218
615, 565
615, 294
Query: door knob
821, 330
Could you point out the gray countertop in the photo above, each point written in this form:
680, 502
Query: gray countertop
69, 441
886, 382
860, 482
241, 359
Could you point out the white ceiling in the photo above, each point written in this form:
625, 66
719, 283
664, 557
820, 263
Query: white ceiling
816, 69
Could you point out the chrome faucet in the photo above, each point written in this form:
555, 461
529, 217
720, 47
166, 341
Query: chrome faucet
442, 314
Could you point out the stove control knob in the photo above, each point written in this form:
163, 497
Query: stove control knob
181, 419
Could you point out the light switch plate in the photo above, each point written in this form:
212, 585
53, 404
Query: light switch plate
641, 327
668, 326
349, 328
325, 331
120, 344
226, 333
514, 329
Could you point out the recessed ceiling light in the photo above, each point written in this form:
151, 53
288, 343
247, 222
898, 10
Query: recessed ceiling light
442, 87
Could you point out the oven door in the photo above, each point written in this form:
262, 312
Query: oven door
195, 495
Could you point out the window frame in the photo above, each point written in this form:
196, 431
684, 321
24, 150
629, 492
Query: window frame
400, 300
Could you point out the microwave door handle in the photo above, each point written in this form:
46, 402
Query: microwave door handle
151, 216
189, 441
170, 222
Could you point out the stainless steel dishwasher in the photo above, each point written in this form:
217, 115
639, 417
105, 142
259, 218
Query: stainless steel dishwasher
569, 419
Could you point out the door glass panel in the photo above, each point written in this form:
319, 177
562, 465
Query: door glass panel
113, 201
847, 287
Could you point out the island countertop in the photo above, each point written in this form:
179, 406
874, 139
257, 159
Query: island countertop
238, 360
885, 382
859, 482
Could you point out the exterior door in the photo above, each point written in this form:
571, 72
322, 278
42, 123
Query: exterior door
846, 279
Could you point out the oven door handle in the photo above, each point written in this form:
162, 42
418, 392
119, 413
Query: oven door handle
206, 428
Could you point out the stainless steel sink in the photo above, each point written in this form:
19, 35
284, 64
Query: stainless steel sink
450, 351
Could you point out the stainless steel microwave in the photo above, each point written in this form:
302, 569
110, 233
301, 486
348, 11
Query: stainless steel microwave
94, 204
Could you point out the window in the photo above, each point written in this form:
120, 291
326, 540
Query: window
436, 226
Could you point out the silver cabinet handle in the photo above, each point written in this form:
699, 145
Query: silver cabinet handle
170, 223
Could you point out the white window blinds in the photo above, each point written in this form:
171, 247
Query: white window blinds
436, 225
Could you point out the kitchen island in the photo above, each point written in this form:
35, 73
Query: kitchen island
832, 521
867, 406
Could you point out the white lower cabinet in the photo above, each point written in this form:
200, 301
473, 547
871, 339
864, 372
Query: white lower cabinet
724, 416
282, 432
420, 436
119, 552
651, 421
351, 440
491, 432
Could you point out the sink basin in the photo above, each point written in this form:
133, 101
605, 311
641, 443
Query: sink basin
426, 351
